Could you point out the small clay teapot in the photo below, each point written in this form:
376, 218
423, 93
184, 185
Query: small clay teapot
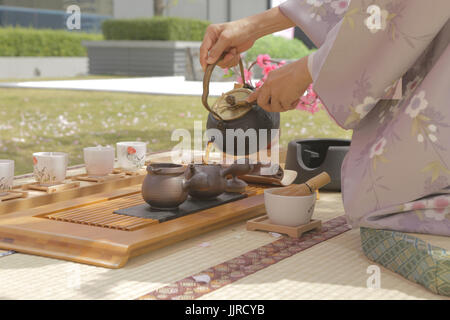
207, 181
164, 186
231, 111
167, 185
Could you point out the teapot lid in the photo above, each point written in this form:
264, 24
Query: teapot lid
225, 109
226, 106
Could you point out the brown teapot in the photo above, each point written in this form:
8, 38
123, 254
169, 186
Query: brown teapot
167, 185
207, 181
231, 111
163, 187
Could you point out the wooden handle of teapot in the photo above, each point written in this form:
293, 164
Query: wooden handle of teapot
306, 188
207, 78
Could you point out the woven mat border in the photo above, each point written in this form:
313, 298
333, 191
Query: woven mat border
246, 264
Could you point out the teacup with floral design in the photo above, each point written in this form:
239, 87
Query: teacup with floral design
50, 168
131, 155
6, 176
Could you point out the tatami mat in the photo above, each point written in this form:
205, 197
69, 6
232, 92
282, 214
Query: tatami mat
334, 269
32, 277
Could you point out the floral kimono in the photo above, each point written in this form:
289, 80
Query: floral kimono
383, 70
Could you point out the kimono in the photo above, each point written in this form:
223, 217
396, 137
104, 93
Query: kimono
382, 69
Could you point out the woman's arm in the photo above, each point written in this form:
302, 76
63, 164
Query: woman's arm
238, 36
284, 87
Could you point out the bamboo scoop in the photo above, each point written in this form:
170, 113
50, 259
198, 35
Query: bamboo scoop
306, 188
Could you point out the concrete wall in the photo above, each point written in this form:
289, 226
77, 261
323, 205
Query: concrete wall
33, 67
126, 9
148, 58
138, 58
245, 8
213, 10
102, 7
195, 9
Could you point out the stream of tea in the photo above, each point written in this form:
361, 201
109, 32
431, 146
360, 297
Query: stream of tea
208, 150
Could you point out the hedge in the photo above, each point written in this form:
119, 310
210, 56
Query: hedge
156, 28
18, 42
278, 48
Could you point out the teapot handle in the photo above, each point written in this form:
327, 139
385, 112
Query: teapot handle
207, 79
188, 178
186, 184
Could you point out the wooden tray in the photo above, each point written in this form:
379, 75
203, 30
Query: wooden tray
35, 197
86, 230
86, 177
13, 194
51, 189
264, 224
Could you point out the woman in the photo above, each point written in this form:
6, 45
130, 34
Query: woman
383, 70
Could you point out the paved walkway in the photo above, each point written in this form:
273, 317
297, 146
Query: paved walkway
152, 85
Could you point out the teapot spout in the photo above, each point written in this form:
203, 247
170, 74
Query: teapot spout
237, 169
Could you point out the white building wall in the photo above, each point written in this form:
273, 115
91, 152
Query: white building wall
245, 8
218, 11
195, 9
47, 67
127, 9
213, 10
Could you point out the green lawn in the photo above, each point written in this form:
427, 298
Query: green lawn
55, 120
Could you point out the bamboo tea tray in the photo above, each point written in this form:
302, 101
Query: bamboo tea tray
31, 195
83, 228
13, 194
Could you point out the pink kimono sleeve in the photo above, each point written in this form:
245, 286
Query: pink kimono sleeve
315, 17
361, 59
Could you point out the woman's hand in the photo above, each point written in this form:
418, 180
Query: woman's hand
284, 87
230, 37
238, 36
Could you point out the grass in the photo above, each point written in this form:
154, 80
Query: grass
55, 120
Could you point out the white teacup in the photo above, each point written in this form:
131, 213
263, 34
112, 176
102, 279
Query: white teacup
131, 155
6, 176
50, 167
289, 211
99, 160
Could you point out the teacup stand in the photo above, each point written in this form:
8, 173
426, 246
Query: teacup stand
264, 224
99, 179
51, 189
13, 194
128, 172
